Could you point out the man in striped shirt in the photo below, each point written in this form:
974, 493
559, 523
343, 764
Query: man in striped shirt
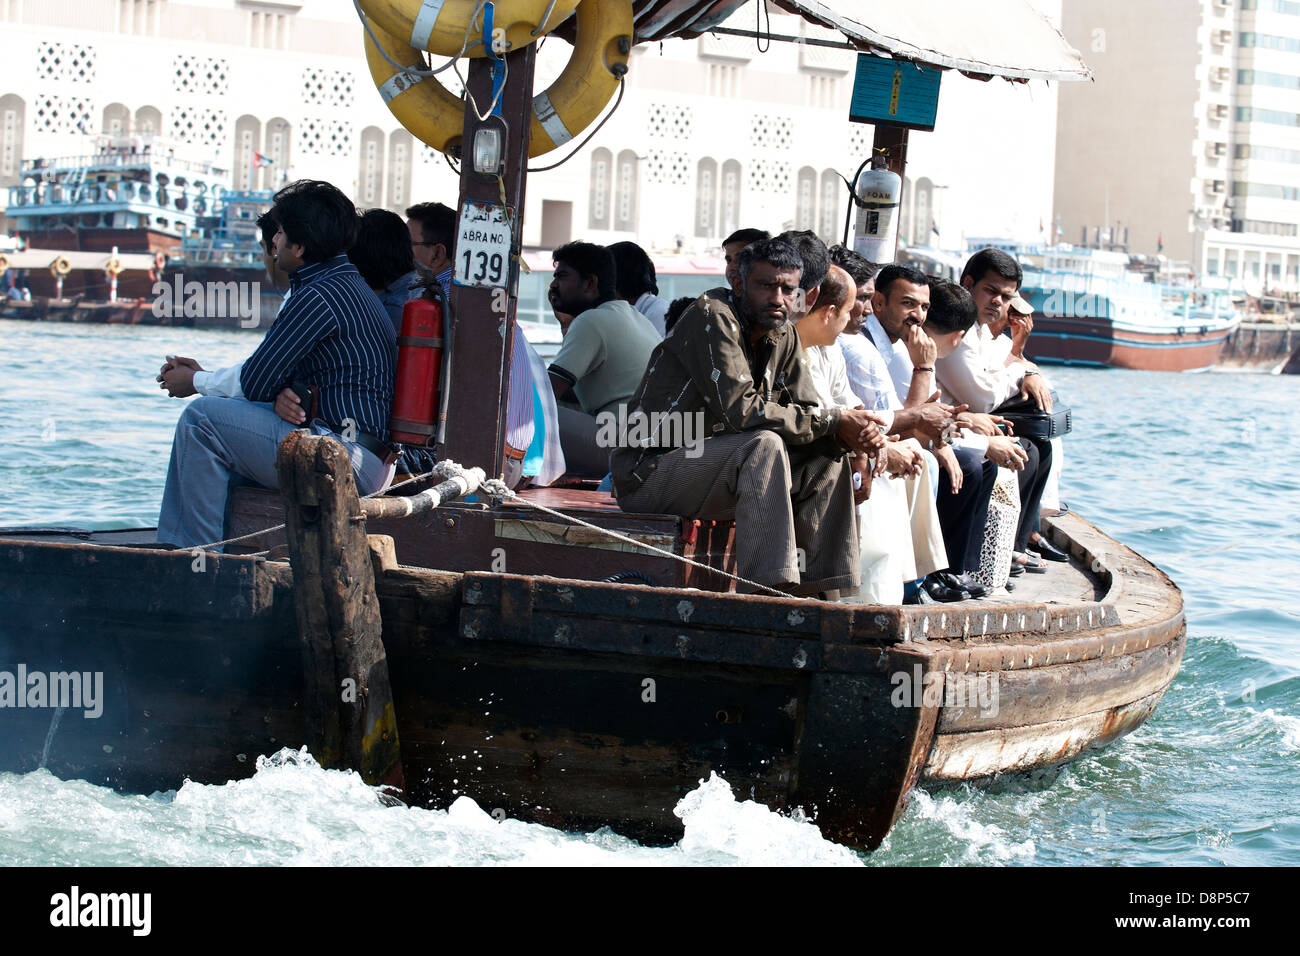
333, 345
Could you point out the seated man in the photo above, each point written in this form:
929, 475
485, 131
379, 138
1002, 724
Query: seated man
637, 284
899, 524
773, 458
732, 247
224, 382
982, 374
332, 341
884, 523
383, 256
897, 352
607, 345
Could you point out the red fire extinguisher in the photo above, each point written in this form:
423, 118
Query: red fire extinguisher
414, 419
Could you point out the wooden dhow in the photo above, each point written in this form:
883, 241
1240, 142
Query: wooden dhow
519, 653
575, 703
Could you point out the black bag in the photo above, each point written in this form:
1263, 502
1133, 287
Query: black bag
1030, 421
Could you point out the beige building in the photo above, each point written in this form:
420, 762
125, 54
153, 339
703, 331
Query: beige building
1190, 137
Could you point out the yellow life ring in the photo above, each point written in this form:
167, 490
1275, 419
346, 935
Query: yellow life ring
60, 266
436, 117
113, 266
441, 26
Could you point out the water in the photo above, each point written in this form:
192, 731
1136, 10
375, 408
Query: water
1196, 472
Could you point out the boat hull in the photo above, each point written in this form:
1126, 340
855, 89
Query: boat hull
1089, 341
582, 704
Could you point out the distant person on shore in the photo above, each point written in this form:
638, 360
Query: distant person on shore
332, 326
383, 254
636, 284
606, 347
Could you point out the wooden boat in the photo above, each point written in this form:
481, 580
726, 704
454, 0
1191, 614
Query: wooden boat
575, 703
542, 667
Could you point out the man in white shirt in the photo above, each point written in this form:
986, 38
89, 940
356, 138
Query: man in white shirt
606, 349
890, 550
900, 305
985, 375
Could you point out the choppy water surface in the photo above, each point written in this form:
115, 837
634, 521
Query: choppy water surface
1196, 472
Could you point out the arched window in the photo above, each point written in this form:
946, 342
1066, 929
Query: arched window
400, 150
600, 186
833, 201
729, 205
276, 148
805, 208
117, 120
625, 192
248, 133
13, 112
148, 121
370, 168
706, 198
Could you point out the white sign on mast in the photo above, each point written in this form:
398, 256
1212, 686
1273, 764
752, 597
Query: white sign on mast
483, 246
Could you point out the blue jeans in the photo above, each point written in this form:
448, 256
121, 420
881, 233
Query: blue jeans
218, 439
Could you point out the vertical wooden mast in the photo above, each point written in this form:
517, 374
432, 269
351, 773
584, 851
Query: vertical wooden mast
479, 378
892, 141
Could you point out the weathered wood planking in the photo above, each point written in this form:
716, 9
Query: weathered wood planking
1078, 686
200, 664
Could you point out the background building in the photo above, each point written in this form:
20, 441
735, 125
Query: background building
1190, 138
711, 134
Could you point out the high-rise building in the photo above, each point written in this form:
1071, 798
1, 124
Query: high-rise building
1188, 143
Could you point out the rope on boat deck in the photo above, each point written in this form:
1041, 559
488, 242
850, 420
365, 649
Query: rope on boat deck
280, 527
498, 488
495, 486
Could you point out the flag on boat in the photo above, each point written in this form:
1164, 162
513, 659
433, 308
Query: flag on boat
1160, 243
260, 161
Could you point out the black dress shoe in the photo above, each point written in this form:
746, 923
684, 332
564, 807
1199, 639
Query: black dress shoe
940, 590
1016, 569
1048, 551
967, 584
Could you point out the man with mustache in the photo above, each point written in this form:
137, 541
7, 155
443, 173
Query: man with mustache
775, 459
981, 373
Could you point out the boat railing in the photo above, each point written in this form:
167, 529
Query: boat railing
116, 160
114, 195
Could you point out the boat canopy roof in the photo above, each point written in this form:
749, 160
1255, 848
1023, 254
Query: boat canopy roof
1006, 38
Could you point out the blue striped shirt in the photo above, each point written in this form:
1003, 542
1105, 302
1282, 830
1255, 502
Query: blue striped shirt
333, 333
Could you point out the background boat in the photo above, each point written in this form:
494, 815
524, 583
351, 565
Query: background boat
1099, 307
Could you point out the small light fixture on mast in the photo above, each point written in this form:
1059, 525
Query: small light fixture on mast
489, 151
